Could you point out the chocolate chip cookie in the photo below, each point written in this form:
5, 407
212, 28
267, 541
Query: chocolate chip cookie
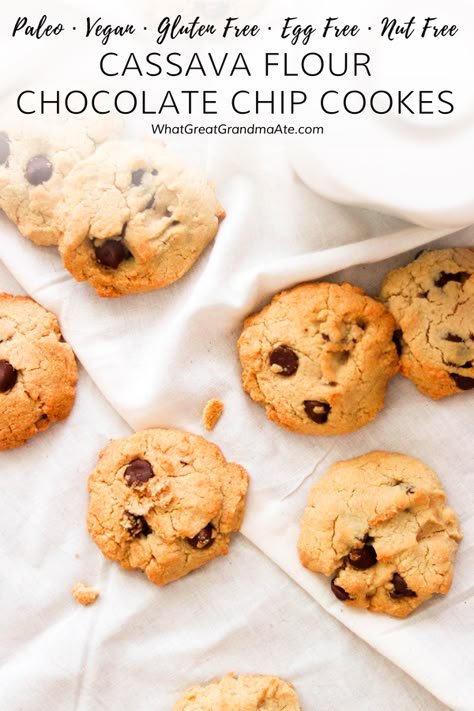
135, 218
165, 501
432, 300
38, 370
34, 160
379, 525
249, 692
319, 357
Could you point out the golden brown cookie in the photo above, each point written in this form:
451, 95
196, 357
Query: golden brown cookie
248, 692
38, 370
135, 218
165, 501
379, 525
319, 357
35, 157
432, 300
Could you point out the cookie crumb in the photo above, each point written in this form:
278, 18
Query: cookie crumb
85, 594
212, 413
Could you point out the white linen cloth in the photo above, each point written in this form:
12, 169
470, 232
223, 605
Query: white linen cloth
157, 358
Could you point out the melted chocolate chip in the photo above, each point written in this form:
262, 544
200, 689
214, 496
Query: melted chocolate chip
4, 148
137, 176
453, 338
397, 339
150, 203
462, 381
362, 558
339, 592
111, 253
38, 170
445, 277
138, 472
8, 376
135, 525
286, 359
400, 588
204, 538
317, 410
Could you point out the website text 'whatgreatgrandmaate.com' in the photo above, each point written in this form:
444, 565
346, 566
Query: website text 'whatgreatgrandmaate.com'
164, 129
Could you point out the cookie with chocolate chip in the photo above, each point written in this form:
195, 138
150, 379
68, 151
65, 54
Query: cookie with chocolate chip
248, 692
164, 501
380, 527
35, 157
136, 218
38, 370
432, 300
319, 357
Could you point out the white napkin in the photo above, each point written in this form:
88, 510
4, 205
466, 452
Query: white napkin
157, 358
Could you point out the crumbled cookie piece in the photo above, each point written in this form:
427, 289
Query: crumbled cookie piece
380, 527
211, 414
319, 357
85, 594
248, 692
432, 300
165, 501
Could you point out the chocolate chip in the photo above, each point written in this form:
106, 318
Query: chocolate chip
400, 588
204, 538
410, 489
4, 148
362, 558
38, 170
167, 213
453, 338
445, 277
8, 376
137, 176
150, 203
286, 359
154, 172
462, 381
339, 592
138, 472
111, 253
135, 525
317, 410
397, 339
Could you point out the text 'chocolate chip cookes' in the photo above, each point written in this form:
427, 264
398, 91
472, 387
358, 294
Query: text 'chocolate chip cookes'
135, 218
165, 501
319, 357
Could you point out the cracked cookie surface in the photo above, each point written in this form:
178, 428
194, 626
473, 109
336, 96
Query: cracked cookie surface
432, 300
379, 525
136, 218
165, 501
35, 158
38, 371
319, 357
248, 692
